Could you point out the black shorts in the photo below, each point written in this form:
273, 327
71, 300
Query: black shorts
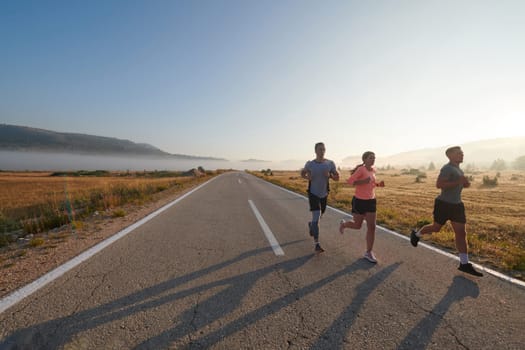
317, 203
363, 206
444, 211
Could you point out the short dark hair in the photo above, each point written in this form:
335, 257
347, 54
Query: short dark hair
451, 149
318, 144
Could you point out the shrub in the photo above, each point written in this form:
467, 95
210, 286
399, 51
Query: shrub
77, 225
420, 177
118, 213
46, 221
3, 240
7, 224
488, 182
96, 173
37, 241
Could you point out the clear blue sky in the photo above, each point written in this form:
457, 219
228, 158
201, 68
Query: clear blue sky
266, 79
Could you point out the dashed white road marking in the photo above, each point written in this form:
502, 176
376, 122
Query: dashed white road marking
267, 232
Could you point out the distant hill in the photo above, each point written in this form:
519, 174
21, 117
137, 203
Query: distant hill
481, 153
251, 160
22, 138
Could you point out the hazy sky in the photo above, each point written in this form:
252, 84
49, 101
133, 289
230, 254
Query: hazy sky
266, 79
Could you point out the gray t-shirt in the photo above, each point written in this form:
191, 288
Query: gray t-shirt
451, 172
318, 176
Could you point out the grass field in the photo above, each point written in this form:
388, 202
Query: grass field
495, 213
35, 202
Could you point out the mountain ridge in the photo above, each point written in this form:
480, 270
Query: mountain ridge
24, 138
480, 153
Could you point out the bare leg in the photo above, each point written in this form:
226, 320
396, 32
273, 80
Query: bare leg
461, 237
370, 230
461, 244
355, 223
430, 228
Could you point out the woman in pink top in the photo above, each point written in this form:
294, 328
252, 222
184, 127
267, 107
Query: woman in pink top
363, 178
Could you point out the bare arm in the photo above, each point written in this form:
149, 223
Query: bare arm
442, 183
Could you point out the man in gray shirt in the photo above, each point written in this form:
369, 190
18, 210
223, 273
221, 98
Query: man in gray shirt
448, 206
318, 172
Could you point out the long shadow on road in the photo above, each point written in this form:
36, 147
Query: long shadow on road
58, 332
260, 313
421, 334
334, 336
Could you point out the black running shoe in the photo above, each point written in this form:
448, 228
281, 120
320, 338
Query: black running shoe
318, 248
310, 228
468, 268
413, 238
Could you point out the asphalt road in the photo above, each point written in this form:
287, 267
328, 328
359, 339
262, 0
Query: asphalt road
205, 273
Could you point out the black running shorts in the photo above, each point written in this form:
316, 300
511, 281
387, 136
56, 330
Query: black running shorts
317, 203
444, 211
363, 206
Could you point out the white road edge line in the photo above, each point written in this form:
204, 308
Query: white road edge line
268, 233
18, 295
420, 244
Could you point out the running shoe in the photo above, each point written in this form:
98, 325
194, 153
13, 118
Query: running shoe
370, 257
341, 226
414, 239
318, 248
468, 268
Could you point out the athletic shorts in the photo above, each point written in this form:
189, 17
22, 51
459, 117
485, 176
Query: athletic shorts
444, 211
363, 206
317, 203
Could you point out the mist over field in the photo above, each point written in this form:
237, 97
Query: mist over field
45, 161
481, 154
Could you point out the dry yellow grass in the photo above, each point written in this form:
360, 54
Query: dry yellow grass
37, 202
20, 190
495, 215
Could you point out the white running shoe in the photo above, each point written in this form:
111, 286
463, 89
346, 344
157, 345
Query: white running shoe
341, 226
370, 257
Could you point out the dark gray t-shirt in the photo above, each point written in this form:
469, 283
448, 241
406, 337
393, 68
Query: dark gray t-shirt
318, 176
451, 172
